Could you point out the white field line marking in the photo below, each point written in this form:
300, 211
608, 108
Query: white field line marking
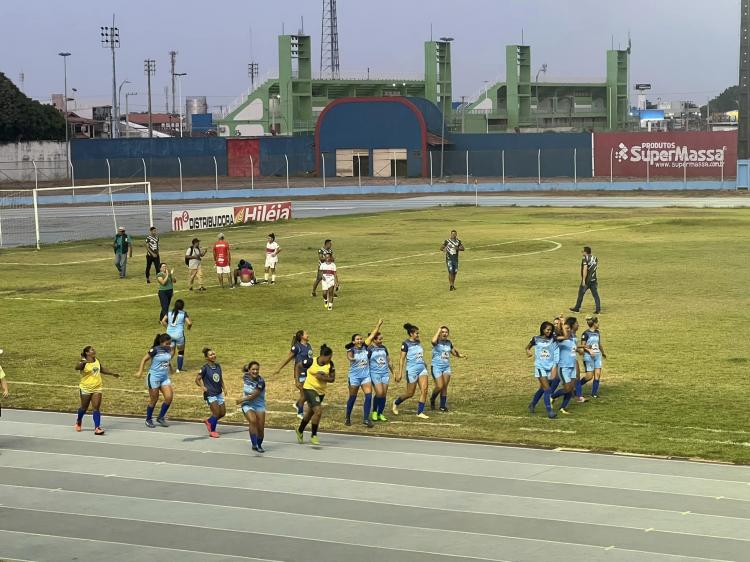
356, 521
540, 430
423, 469
137, 545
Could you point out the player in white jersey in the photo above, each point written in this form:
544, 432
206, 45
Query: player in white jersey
329, 281
272, 258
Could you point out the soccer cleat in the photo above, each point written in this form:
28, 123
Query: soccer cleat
201, 288
347, 421
150, 424
300, 416
330, 306
368, 423
594, 396
254, 448
423, 416
444, 409
551, 414
325, 305
381, 417
581, 399
564, 411
597, 312
260, 449
575, 309
300, 437
374, 416
177, 371
162, 422
77, 426
98, 431
214, 434
208, 425
314, 440
394, 409
532, 409
314, 294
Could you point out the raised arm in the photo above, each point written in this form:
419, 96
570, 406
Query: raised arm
374, 331
436, 337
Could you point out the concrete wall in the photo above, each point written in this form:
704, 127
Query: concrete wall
16, 161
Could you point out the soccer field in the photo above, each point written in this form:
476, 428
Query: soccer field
674, 296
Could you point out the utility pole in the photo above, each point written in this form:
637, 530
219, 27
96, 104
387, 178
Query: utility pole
127, 112
252, 72
172, 63
166, 99
110, 38
65, 56
149, 67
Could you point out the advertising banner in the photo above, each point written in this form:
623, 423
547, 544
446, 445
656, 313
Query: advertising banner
673, 154
221, 217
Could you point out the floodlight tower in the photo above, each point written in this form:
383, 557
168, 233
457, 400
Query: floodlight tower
329, 41
110, 38
743, 137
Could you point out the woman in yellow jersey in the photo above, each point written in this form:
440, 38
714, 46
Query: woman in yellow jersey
320, 371
90, 387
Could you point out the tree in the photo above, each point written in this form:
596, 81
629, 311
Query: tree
23, 119
725, 101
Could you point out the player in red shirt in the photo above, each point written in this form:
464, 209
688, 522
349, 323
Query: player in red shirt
223, 261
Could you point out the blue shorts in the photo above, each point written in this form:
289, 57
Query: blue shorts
156, 381
258, 406
540, 372
219, 399
452, 265
592, 362
567, 374
380, 379
359, 380
414, 376
178, 341
438, 372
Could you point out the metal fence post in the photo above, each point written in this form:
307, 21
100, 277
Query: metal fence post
467, 168
36, 217
179, 163
150, 207
109, 175
143, 160
323, 158
575, 165
112, 206
476, 193
286, 159
539, 166
502, 164
72, 176
611, 160
216, 174
722, 174
648, 171
684, 175
430, 153
359, 170
395, 172
36, 175
252, 172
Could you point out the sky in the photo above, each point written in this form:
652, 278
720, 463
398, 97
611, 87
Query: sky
685, 49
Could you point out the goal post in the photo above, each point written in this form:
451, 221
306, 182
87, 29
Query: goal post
83, 212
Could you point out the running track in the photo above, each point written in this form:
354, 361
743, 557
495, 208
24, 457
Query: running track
167, 494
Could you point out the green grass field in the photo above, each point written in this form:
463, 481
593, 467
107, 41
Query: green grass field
673, 284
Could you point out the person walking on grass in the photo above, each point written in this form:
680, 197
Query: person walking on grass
193, 259
223, 261
157, 379
166, 280
359, 374
210, 379
175, 323
272, 258
152, 253
546, 355
330, 281
253, 404
320, 372
442, 350
412, 364
589, 281
452, 246
90, 388
324, 251
123, 250
593, 353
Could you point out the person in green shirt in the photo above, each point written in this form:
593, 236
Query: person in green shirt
165, 279
123, 250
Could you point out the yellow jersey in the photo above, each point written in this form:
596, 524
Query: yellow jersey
311, 381
91, 378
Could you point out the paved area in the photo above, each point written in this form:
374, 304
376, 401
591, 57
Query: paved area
143, 494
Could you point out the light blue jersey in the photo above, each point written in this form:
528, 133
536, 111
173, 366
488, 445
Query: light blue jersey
158, 373
379, 371
546, 353
359, 366
250, 385
176, 326
415, 365
441, 358
568, 360
592, 339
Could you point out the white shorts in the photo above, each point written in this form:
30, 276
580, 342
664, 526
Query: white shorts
271, 262
327, 284
221, 269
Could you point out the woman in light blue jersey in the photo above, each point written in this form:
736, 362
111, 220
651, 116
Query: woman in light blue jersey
157, 379
411, 363
568, 365
546, 355
381, 370
359, 374
442, 350
175, 322
253, 403
593, 353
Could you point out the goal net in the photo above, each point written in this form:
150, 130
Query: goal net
58, 214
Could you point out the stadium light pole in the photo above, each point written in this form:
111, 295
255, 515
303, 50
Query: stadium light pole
110, 38
127, 112
179, 76
542, 68
119, 102
65, 56
445, 41
149, 67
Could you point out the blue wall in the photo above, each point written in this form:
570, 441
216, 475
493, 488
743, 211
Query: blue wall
299, 149
196, 154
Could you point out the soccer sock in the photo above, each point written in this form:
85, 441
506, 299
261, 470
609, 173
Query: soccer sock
273, 278
254, 440
368, 405
443, 401
420, 408
554, 383
547, 399
579, 388
382, 405
350, 405
595, 387
265, 277
397, 401
558, 393
434, 395
537, 397
163, 411
566, 400
260, 441
149, 412
97, 418
180, 361
213, 421
302, 426
81, 413
314, 428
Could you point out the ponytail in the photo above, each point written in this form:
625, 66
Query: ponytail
179, 305
85, 351
410, 328
297, 337
325, 351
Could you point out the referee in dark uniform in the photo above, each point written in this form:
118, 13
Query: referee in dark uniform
589, 268
322, 253
152, 253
